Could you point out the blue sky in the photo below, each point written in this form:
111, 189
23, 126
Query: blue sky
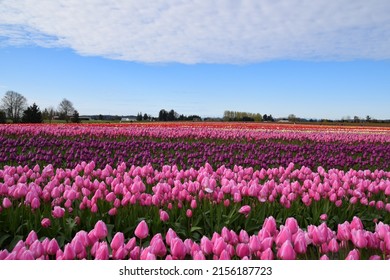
247, 57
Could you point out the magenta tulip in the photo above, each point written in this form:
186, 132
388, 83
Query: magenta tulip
267, 254
6, 203
142, 230
58, 212
117, 241
206, 245
245, 210
353, 255
178, 249
100, 230
102, 252
286, 252
164, 216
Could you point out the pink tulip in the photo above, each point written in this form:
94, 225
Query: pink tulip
135, 253
193, 204
199, 256
78, 246
242, 250
283, 236
343, 232
171, 234
6, 203
254, 243
131, 244
117, 241
267, 254
206, 245
142, 230
359, 238
246, 209
32, 236
58, 212
375, 257
102, 252
120, 254
219, 246
178, 249
356, 223
226, 235
164, 216
292, 225
324, 257
113, 211
318, 234
300, 244
35, 203
270, 225
286, 252
324, 217
224, 255
36, 248
333, 246
69, 253
52, 247
150, 256
189, 213
100, 230
353, 255
382, 229
27, 255
266, 243
157, 246
243, 237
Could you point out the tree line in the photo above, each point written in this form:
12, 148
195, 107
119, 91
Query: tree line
14, 107
234, 116
172, 115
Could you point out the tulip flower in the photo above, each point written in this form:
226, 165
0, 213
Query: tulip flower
6, 203
164, 216
117, 241
58, 212
100, 230
206, 245
286, 252
178, 249
142, 230
246, 209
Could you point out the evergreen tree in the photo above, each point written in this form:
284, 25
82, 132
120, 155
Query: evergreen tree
32, 115
75, 117
3, 117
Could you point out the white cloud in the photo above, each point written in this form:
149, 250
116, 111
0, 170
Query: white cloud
190, 31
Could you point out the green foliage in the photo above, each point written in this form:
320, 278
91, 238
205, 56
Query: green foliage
32, 115
3, 117
75, 118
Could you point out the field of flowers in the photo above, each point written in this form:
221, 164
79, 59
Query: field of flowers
194, 191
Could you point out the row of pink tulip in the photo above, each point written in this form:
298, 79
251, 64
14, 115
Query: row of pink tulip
121, 186
327, 134
288, 242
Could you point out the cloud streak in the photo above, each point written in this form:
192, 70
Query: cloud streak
185, 31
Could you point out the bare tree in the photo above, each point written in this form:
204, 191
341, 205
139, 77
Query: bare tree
13, 104
49, 113
66, 109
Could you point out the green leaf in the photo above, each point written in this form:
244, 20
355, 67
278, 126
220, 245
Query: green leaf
195, 229
4, 238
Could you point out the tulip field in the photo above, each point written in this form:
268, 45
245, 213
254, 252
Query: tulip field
178, 191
